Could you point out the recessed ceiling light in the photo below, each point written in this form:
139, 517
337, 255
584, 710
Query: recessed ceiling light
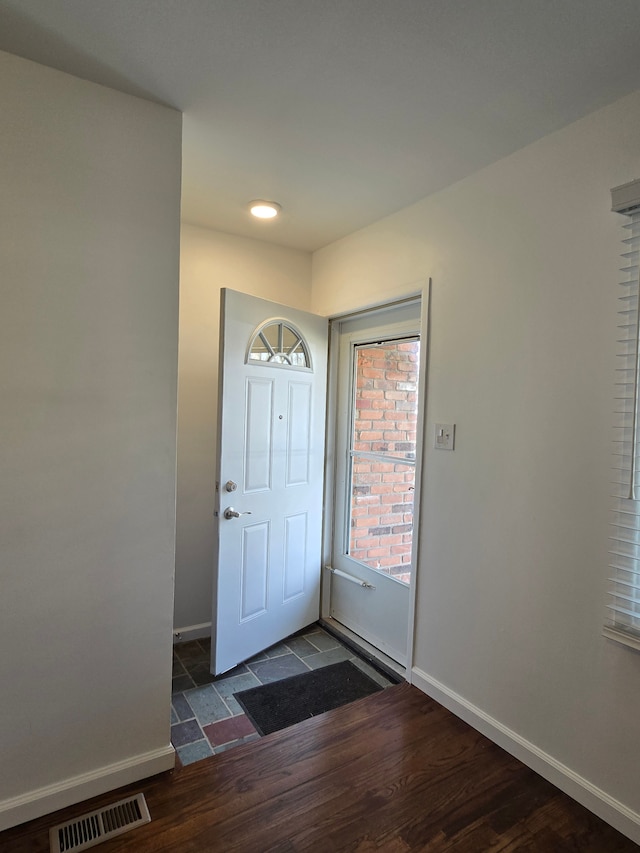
264, 209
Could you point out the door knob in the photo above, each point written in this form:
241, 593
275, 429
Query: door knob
230, 512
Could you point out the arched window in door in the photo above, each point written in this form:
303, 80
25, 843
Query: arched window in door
279, 342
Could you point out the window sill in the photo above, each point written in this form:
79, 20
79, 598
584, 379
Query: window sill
622, 637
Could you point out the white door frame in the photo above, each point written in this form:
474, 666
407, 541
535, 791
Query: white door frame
424, 295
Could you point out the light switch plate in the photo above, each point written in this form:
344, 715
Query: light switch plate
445, 436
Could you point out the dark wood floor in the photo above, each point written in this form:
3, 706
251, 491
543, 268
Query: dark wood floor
394, 772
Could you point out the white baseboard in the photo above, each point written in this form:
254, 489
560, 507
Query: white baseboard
580, 789
49, 799
192, 632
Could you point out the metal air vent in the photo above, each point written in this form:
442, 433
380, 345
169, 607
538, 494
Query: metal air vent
95, 827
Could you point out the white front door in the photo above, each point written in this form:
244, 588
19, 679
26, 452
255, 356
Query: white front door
377, 452
270, 476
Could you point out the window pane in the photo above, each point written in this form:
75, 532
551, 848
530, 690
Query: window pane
386, 398
381, 515
271, 333
289, 339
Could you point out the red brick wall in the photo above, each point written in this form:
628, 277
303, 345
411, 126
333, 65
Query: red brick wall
385, 423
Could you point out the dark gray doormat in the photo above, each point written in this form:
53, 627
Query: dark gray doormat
275, 706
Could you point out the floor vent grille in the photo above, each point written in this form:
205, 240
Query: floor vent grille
95, 827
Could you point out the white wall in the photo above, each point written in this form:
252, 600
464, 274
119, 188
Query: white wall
89, 242
209, 262
513, 532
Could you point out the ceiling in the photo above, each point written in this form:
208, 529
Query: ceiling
343, 111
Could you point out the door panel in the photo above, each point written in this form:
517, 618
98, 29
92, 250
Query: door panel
255, 570
295, 555
271, 444
378, 615
258, 449
299, 433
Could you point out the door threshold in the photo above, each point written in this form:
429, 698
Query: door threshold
386, 665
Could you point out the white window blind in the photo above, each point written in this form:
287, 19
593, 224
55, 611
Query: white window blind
623, 606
